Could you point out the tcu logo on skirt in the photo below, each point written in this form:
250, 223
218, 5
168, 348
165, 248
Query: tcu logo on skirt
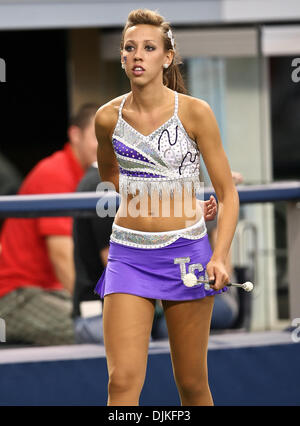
189, 279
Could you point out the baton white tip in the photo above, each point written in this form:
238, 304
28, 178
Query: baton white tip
248, 286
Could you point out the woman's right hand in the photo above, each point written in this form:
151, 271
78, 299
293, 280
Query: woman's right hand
216, 270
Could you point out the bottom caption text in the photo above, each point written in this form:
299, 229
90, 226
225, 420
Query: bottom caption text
159, 416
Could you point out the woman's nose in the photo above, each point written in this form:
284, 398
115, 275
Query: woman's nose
138, 53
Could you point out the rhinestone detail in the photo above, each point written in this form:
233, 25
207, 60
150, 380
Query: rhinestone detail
165, 160
156, 239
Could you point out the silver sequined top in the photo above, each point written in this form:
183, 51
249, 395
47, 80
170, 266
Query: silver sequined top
167, 159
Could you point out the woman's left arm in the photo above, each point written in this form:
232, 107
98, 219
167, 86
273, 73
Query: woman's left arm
206, 133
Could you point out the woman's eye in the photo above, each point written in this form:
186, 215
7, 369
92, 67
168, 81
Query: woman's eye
129, 48
150, 48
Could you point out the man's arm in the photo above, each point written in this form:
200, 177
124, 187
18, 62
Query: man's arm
105, 121
60, 250
104, 255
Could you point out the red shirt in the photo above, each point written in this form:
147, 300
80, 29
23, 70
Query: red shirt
24, 259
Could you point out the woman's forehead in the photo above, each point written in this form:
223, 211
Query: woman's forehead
143, 32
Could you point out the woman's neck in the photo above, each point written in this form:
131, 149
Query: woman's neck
148, 98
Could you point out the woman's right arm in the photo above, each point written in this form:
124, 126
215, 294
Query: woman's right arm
105, 121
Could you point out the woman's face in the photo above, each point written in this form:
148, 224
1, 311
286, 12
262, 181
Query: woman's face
144, 54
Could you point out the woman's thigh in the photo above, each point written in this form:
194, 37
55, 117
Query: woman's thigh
127, 324
188, 328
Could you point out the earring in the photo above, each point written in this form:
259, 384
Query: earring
166, 66
123, 65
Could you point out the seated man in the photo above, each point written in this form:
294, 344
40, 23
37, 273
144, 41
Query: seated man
36, 263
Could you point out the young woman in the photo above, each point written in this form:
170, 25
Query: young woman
150, 141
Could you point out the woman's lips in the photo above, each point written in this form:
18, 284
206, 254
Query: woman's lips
138, 71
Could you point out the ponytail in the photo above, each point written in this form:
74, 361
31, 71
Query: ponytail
173, 79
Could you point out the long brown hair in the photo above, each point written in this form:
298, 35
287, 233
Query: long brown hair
172, 77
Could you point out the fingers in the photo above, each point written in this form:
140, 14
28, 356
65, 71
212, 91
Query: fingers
217, 275
210, 216
211, 208
211, 213
211, 202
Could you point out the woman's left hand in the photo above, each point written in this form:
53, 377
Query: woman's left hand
210, 208
216, 270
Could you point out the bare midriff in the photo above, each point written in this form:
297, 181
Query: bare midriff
150, 214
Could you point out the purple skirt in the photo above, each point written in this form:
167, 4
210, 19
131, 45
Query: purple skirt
157, 273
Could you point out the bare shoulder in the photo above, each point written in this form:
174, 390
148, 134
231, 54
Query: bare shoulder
192, 106
107, 116
193, 113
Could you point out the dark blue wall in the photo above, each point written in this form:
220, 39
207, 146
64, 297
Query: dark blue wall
264, 375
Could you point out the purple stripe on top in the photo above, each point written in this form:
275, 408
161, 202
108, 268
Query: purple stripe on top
122, 149
138, 174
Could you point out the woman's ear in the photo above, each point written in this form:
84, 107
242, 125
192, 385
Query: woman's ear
123, 60
169, 57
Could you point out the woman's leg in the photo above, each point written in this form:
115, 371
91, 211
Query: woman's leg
188, 327
127, 323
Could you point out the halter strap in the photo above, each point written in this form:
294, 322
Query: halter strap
176, 104
121, 106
